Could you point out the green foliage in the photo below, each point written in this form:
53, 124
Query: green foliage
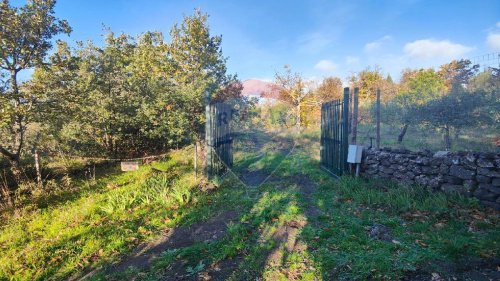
278, 116
195, 270
420, 87
368, 81
457, 109
26, 34
129, 97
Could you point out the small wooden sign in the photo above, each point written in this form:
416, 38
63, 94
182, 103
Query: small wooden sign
129, 166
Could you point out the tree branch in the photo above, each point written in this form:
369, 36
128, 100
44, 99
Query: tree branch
7, 153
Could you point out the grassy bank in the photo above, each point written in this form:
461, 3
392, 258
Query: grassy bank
96, 221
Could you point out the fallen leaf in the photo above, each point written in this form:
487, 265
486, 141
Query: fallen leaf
419, 242
439, 225
436, 277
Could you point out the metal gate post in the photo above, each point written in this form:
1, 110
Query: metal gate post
345, 133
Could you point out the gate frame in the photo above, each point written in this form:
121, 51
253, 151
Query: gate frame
335, 135
218, 139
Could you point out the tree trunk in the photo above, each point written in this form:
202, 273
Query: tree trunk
299, 125
18, 129
403, 133
5, 191
15, 168
457, 134
447, 140
36, 155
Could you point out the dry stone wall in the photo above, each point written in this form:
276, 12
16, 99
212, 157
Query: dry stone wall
472, 174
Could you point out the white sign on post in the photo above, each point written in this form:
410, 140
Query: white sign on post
354, 154
129, 166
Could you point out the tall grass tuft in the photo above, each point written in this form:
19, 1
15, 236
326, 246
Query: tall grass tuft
397, 197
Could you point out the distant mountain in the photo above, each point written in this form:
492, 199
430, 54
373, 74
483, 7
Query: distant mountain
258, 88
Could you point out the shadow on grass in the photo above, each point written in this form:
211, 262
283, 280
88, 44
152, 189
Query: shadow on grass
221, 225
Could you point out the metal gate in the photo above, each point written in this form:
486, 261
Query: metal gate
335, 135
218, 139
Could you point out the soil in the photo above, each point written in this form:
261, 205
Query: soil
307, 188
255, 178
468, 269
145, 254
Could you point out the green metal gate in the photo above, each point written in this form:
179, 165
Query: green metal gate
218, 139
335, 135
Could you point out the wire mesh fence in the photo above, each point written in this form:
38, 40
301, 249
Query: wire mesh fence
457, 125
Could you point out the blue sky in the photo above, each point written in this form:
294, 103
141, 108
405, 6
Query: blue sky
317, 38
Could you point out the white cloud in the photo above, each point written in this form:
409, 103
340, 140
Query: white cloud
430, 49
493, 41
325, 65
375, 45
498, 24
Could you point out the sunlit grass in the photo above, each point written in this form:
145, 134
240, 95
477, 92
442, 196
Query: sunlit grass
122, 210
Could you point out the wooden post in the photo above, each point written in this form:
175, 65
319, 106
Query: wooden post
208, 136
378, 118
350, 111
355, 116
196, 160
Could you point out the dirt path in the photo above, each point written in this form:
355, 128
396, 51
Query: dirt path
228, 268
144, 255
286, 235
257, 177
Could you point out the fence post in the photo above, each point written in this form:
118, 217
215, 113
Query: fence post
208, 136
350, 111
378, 118
345, 129
355, 116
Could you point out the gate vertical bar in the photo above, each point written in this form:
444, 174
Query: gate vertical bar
378, 118
322, 136
345, 136
208, 137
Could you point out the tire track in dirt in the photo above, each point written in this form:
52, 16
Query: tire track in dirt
146, 254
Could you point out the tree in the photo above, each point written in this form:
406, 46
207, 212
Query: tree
26, 36
291, 89
486, 86
458, 71
456, 110
368, 81
200, 68
196, 54
416, 89
329, 89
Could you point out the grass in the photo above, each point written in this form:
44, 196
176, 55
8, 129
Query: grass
101, 221
286, 232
